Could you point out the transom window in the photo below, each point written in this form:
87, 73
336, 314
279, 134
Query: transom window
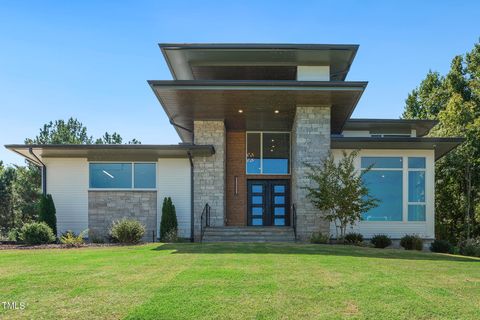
385, 182
122, 175
268, 153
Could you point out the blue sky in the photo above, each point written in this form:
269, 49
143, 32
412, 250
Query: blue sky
91, 59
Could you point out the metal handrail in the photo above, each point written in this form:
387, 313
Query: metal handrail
294, 220
204, 220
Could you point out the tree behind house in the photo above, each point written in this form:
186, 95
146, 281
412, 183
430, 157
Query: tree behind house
454, 100
339, 192
20, 185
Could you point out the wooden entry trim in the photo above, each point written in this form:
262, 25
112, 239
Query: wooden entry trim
236, 191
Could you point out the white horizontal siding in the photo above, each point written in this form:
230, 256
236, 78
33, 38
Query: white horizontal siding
173, 180
67, 182
397, 229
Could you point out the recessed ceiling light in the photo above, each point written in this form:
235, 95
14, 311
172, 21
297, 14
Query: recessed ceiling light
276, 111
240, 111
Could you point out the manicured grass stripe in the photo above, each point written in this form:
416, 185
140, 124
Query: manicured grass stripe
239, 281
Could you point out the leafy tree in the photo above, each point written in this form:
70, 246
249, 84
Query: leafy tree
7, 178
107, 138
339, 191
47, 212
114, 138
168, 222
454, 100
71, 131
26, 193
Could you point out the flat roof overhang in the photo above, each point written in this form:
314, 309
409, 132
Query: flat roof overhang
186, 101
422, 127
108, 152
200, 61
441, 145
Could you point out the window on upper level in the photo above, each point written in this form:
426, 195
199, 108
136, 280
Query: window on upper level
268, 153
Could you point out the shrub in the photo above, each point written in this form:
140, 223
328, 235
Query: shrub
70, 239
441, 246
37, 233
127, 231
381, 241
412, 242
353, 238
13, 234
47, 212
171, 236
319, 238
169, 218
93, 238
470, 247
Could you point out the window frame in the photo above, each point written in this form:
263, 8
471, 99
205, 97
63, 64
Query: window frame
428, 170
261, 154
132, 188
423, 203
398, 169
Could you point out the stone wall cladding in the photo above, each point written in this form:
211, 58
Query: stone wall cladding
209, 174
310, 144
104, 207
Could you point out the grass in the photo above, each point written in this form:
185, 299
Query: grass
238, 281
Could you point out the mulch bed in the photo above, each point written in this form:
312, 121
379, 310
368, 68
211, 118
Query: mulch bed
59, 246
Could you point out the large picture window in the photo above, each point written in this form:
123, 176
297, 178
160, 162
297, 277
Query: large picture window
124, 175
385, 182
268, 153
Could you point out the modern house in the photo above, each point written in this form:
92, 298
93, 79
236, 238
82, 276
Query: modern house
250, 117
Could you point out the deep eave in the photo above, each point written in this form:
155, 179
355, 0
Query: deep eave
187, 100
441, 145
183, 58
109, 152
422, 127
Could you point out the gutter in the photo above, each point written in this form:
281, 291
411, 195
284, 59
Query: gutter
44, 172
192, 209
179, 126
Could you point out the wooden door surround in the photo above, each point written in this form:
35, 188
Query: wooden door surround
236, 179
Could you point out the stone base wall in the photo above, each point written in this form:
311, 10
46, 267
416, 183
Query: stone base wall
209, 174
104, 207
310, 144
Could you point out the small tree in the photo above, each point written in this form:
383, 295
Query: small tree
338, 190
47, 212
169, 222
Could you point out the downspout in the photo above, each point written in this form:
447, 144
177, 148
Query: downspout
44, 172
192, 216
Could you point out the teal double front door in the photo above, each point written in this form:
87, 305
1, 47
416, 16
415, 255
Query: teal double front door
268, 202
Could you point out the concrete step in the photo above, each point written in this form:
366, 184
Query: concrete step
249, 234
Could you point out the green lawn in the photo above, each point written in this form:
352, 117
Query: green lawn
238, 281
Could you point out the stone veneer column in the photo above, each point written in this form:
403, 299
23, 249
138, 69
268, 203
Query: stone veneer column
209, 174
310, 144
